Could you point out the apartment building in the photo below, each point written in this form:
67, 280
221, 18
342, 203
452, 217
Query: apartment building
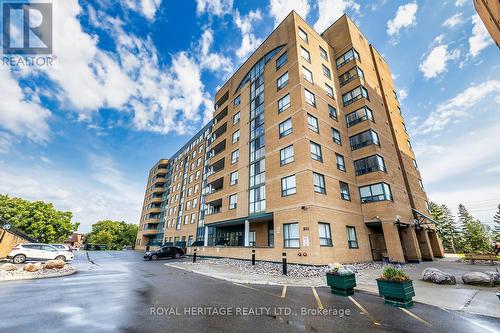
489, 12
307, 156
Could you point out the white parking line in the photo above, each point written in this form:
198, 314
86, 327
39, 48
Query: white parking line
320, 305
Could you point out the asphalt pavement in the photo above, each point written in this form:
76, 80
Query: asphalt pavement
116, 291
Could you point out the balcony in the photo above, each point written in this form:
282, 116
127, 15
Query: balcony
220, 116
150, 232
214, 207
217, 133
216, 167
214, 186
216, 150
152, 210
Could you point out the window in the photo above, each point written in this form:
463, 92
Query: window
332, 112
369, 164
365, 113
286, 155
336, 136
198, 162
316, 152
375, 192
310, 98
325, 237
233, 201
291, 237
198, 173
282, 81
327, 72
306, 74
352, 240
323, 53
344, 191
233, 178
288, 186
319, 183
351, 75
303, 35
195, 202
355, 94
236, 136
237, 101
364, 139
188, 205
415, 164
329, 91
234, 156
281, 61
421, 184
404, 127
409, 145
312, 123
305, 54
236, 118
340, 162
186, 219
284, 103
346, 57
285, 127
399, 110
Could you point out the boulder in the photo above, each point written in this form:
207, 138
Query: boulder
31, 267
495, 277
54, 264
436, 276
477, 278
8, 267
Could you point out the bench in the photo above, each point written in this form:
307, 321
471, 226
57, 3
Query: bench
473, 257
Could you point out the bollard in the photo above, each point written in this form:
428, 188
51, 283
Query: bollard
194, 255
284, 264
253, 257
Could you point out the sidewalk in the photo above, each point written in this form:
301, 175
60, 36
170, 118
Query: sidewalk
460, 297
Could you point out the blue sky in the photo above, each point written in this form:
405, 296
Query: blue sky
134, 79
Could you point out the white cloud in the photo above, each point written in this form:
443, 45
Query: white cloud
459, 105
331, 10
20, 114
214, 7
279, 9
460, 3
405, 18
453, 21
209, 60
437, 60
249, 42
150, 7
402, 94
480, 38
6, 142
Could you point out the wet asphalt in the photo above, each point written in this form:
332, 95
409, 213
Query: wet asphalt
119, 292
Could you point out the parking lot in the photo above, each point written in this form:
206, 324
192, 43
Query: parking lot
119, 292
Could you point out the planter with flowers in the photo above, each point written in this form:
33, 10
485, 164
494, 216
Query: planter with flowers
341, 280
396, 287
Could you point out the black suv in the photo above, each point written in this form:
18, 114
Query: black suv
164, 252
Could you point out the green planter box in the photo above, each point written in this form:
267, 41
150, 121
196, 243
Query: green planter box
396, 293
341, 284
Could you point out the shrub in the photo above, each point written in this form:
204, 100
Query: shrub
339, 269
394, 274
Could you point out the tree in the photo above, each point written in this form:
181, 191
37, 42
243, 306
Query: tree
446, 226
114, 234
38, 219
464, 216
476, 237
496, 220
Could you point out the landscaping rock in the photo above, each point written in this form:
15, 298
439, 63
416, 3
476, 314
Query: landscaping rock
8, 267
54, 264
436, 276
495, 277
477, 278
31, 267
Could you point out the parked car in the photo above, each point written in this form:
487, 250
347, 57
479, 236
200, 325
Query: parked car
63, 247
37, 251
164, 252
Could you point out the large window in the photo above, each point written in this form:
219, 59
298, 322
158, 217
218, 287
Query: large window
282, 81
236, 118
237, 101
329, 91
364, 139
236, 136
336, 136
325, 236
233, 178
284, 103
305, 54
281, 61
345, 194
346, 57
291, 238
375, 192
323, 53
352, 239
355, 94
351, 75
312, 123
310, 98
234, 156
327, 72
319, 183
340, 162
307, 74
286, 155
288, 186
285, 127
332, 112
316, 152
369, 164
365, 113
233, 201
303, 35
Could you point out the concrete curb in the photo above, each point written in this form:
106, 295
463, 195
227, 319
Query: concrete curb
52, 275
